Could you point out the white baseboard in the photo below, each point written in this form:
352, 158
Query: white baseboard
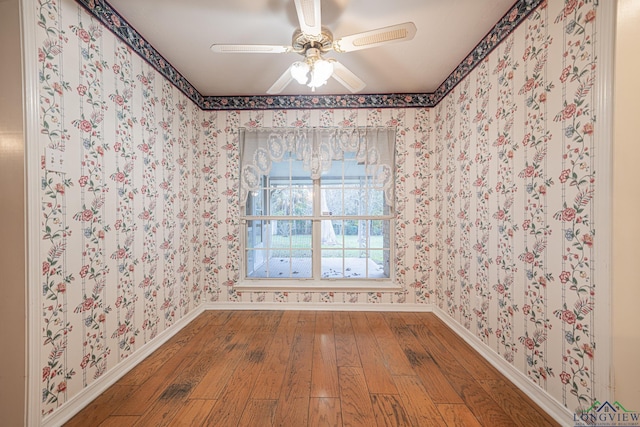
543, 399
96, 388
317, 306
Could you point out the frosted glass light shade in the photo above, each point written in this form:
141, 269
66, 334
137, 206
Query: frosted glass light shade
300, 71
320, 73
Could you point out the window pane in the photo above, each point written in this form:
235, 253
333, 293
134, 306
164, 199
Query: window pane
287, 264
379, 264
289, 188
331, 203
377, 235
255, 202
281, 233
256, 233
336, 264
353, 201
292, 200
256, 263
355, 234
375, 202
331, 231
291, 233
332, 265
301, 264
359, 249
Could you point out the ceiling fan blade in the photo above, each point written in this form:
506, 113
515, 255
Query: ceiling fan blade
249, 48
374, 38
346, 78
281, 83
309, 16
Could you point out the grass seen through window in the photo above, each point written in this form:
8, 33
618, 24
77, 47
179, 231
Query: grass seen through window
351, 246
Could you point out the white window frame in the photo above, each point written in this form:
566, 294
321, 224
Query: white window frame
316, 282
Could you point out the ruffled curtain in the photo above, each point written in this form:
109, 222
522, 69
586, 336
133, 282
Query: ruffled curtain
317, 148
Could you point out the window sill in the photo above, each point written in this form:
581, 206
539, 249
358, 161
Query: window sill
315, 286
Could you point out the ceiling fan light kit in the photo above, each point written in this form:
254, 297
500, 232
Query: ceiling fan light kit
311, 41
300, 72
320, 73
314, 71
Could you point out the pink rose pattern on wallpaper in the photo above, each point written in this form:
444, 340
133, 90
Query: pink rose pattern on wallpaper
535, 225
55, 231
170, 296
211, 208
149, 195
482, 221
450, 197
184, 225
91, 214
125, 225
438, 214
576, 214
505, 148
421, 194
465, 163
196, 220
494, 201
107, 274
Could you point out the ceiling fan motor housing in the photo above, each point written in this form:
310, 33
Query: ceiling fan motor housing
302, 42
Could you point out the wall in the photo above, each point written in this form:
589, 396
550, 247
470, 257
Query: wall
516, 186
626, 228
495, 203
120, 225
12, 220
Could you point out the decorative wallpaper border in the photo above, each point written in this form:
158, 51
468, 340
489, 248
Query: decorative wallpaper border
103, 11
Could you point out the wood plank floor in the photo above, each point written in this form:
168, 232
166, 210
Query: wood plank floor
313, 368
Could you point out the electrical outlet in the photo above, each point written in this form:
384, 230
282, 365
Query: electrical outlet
54, 160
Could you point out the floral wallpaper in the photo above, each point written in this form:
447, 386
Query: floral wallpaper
494, 201
120, 225
515, 183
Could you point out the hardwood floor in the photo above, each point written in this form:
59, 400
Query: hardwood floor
313, 368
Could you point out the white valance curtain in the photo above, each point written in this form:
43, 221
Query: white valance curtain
317, 148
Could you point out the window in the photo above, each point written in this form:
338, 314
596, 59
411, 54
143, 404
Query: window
318, 205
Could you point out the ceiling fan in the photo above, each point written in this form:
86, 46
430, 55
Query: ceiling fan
312, 40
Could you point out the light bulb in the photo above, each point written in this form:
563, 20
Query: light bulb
300, 71
320, 73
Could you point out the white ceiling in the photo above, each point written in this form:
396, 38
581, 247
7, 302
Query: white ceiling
183, 31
